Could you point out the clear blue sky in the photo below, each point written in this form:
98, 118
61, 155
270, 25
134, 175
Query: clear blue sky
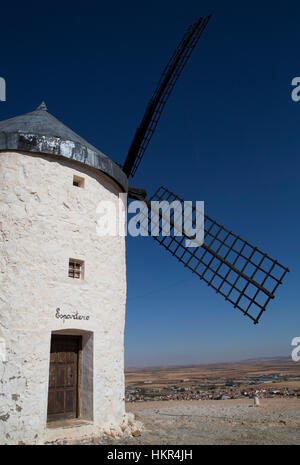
229, 136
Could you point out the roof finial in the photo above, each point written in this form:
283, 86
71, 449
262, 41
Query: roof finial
42, 106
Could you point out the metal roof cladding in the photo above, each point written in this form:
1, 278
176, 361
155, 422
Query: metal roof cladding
41, 132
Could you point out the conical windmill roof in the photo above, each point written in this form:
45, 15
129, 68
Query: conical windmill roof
40, 132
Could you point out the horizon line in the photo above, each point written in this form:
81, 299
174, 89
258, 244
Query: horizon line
262, 358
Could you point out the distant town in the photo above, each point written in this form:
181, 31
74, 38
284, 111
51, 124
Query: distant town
273, 384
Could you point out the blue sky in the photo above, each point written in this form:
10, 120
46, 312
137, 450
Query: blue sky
229, 136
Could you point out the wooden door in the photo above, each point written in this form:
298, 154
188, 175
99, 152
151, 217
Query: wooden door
63, 378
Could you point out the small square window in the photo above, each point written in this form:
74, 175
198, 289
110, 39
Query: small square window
78, 182
76, 269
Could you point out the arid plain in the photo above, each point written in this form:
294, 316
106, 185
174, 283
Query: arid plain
214, 404
277, 373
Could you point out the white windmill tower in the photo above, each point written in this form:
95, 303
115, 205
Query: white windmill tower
63, 288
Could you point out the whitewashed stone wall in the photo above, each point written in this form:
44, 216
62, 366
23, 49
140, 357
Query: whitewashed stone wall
44, 221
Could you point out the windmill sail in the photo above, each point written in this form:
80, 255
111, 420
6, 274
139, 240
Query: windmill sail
244, 275
159, 99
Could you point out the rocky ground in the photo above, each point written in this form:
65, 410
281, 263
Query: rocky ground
275, 421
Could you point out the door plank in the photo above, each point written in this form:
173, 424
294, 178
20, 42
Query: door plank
63, 377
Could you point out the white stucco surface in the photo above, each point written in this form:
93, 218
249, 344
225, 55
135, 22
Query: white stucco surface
44, 221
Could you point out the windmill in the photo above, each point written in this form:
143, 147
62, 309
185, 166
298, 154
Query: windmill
244, 275
63, 287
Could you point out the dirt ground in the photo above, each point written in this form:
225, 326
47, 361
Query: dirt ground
275, 421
